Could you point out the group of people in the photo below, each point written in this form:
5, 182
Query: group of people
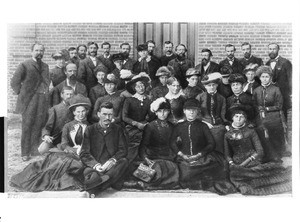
155, 123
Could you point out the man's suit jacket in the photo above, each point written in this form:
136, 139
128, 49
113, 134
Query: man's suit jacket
253, 60
282, 77
26, 80
180, 68
86, 73
236, 65
213, 67
107, 62
164, 60
56, 96
128, 64
57, 75
98, 146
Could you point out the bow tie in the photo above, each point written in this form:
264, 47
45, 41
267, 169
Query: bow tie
273, 60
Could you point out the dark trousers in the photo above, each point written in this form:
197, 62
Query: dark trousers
33, 120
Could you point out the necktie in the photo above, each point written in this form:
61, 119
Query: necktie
212, 108
79, 137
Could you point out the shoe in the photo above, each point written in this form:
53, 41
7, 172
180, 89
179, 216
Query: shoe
25, 158
139, 185
95, 181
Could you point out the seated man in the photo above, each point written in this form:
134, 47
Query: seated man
57, 118
103, 153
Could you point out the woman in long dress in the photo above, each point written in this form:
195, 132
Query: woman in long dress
62, 168
244, 153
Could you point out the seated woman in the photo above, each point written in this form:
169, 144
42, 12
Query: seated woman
270, 121
199, 165
244, 153
163, 73
98, 90
252, 81
155, 149
61, 169
113, 96
136, 112
213, 108
176, 98
193, 89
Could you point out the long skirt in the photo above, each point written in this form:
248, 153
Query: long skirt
134, 136
218, 132
58, 171
263, 179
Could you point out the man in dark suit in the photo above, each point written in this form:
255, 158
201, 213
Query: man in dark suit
81, 51
106, 58
127, 62
87, 66
58, 116
151, 48
57, 74
248, 57
181, 64
71, 80
31, 82
168, 48
282, 70
73, 56
207, 66
103, 153
230, 60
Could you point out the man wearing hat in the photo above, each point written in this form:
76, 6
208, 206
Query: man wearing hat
224, 87
213, 108
231, 61
181, 64
87, 66
239, 97
193, 89
58, 116
31, 83
106, 57
207, 66
103, 152
146, 64
169, 54
127, 62
163, 73
57, 74
71, 80
248, 57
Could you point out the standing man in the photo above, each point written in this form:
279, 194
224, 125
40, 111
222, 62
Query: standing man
168, 48
207, 66
73, 56
282, 75
248, 57
231, 61
31, 82
127, 62
57, 74
106, 58
81, 51
181, 64
103, 152
151, 47
87, 66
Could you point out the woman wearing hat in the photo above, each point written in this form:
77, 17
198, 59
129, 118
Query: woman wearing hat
193, 89
155, 149
271, 122
251, 82
113, 96
224, 88
213, 108
176, 98
163, 73
244, 153
61, 169
136, 112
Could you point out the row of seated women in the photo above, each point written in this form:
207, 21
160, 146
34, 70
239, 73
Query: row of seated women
184, 138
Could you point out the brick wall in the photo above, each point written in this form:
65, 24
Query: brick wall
214, 36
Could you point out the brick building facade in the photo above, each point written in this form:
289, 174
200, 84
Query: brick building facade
56, 36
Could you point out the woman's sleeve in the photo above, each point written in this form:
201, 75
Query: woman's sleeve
125, 112
257, 144
278, 101
65, 138
211, 144
227, 151
146, 138
173, 140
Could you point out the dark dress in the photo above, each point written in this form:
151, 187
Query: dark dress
158, 91
224, 90
58, 171
96, 92
254, 178
176, 108
192, 92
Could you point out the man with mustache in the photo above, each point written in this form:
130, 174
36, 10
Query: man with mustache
87, 66
103, 153
151, 47
248, 57
282, 75
71, 80
81, 51
106, 57
31, 83
181, 64
231, 61
73, 56
207, 66
127, 62
168, 48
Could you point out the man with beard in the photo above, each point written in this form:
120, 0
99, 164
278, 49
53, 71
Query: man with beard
106, 58
73, 56
81, 51
248, 57
181, 64
207, 66
31, 83
151, 46
230, 60
127, 62
87, 66
103, 153
168, 48
58, 116
282, 75
71, 80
